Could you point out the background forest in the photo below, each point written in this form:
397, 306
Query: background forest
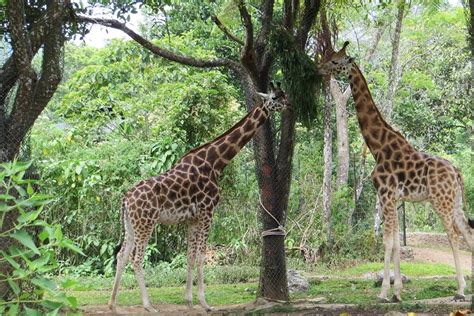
121, 114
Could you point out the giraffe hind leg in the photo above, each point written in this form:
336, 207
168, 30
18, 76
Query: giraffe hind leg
122, 259
139, 250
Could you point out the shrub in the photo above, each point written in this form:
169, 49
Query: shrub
31, 256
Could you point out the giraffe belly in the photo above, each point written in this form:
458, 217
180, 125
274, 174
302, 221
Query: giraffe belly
177, 215
411, 194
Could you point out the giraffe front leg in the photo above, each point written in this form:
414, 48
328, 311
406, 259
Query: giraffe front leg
191, 256
201, 263
398, 285
388, 210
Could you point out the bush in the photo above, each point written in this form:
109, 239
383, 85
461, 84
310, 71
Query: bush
31, 256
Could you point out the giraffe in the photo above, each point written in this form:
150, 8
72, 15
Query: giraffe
186, 193
402, 173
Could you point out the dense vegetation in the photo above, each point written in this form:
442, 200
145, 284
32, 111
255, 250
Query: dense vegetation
123, 115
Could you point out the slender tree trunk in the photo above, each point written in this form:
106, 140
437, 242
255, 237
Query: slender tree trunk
470, 23
342, 132
327, 154
393, 75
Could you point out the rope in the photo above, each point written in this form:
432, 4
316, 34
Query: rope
277, 231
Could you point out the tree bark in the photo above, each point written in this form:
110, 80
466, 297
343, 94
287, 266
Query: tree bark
33, 91
393, 75
342, 132
327, 154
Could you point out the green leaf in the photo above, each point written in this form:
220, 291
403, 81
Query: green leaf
30, 216
53, 312
29, 189
72, 301
51, 304
24, 238
58, 234
14, 286
45, 284
20, 190
68, 283
10, 260
6, 197
32, 312
43, 235
13, 311
66, 243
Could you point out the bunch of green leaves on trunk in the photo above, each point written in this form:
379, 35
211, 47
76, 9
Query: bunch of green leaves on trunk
34, 242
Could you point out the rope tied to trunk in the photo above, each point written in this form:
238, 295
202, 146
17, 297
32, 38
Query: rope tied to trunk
277, 231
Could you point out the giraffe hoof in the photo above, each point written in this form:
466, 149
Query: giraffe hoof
208, 309
459, 297
150, 309
396, 299
112, 307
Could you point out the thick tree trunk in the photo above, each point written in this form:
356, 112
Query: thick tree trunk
33, 90
393, 75
327, 154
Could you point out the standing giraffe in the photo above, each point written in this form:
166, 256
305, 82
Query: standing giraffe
186, 193
402, 173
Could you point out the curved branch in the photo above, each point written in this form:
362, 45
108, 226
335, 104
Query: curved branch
226, 31
185, 60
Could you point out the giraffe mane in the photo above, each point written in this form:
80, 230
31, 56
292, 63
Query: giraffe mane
239, 123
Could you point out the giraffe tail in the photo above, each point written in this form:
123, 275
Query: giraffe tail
464, 225
118, 247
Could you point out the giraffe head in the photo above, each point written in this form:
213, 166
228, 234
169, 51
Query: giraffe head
275, 99
335, 63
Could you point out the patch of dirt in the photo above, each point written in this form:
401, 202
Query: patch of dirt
441, 255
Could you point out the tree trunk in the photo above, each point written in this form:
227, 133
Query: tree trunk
342, 131
32, 91
393, 75
327, 154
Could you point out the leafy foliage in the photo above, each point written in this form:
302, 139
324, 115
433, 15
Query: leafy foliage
32, 256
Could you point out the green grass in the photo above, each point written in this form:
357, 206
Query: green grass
359, 291
216, 294
411, 269
347, 290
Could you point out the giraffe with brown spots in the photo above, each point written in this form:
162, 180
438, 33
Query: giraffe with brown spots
186, 193
403, 173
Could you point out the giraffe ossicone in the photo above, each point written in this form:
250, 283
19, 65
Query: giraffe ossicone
187, 193
403, 173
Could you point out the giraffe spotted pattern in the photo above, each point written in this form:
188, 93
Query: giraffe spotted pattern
402, 173
187, 193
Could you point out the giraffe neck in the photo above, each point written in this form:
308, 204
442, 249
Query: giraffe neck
375, 130
218, 153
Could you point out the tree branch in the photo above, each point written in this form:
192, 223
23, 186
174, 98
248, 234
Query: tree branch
226, 31
311, 9
37, 94
20, 41
247, 54
185, 60
267, 17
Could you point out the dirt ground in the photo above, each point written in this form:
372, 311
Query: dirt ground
423, 251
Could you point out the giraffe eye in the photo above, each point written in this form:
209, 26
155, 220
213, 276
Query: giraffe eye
335, 63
